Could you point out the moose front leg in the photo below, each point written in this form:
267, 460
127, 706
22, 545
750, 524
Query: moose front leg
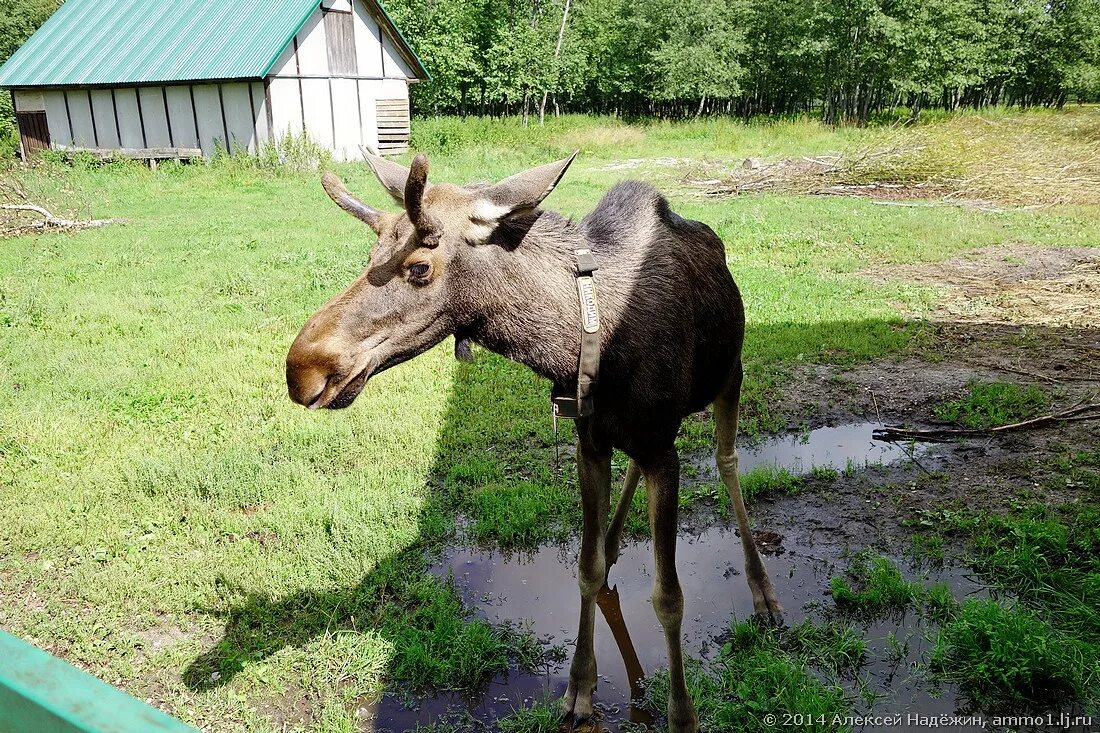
662, 482
594, 472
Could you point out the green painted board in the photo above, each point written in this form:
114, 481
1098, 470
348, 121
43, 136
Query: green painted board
39, 693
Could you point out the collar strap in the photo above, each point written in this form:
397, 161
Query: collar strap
588, 368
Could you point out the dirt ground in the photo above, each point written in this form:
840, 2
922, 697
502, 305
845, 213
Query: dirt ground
1016, 285
1023, 314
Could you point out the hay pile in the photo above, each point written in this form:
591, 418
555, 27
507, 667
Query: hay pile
1037, 159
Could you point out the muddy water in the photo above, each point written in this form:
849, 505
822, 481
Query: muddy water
539, 591
842, 447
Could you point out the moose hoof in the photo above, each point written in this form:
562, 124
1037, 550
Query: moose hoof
768, 610
576, 711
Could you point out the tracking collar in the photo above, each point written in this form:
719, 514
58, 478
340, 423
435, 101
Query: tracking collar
588, 370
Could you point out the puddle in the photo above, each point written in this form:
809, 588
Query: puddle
840, 448
539, 591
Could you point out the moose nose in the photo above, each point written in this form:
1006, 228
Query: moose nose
306, 373
304, 388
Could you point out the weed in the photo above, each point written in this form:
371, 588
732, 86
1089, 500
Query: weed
825, 473
1049, 562
542, 717
435, 645
928, 547
939, 602
873, 586
836, 647
753, 678
767, 479
1006, 655
989, 404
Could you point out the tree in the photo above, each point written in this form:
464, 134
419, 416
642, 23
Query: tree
700, 50
18, 20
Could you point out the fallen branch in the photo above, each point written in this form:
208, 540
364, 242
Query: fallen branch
49, 221
893, 433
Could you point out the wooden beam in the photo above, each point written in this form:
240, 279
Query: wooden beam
138, 153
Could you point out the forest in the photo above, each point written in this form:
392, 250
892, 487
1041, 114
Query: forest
841, 60
845, 60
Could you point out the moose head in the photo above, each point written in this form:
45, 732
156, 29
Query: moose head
413, 293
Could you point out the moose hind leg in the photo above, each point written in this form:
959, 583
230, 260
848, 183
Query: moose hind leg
764, 599
615, 531
662, 483
594, 471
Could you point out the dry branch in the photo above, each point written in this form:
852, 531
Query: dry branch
20, 214
893, 433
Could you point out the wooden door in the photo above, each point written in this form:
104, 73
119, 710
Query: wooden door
34, 132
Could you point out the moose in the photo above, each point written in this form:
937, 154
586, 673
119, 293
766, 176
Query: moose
485, 264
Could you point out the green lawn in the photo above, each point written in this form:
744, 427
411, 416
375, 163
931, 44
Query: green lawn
172, 522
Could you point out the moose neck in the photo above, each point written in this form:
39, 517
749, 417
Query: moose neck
522, 294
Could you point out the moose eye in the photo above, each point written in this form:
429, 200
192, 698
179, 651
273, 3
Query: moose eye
419, 271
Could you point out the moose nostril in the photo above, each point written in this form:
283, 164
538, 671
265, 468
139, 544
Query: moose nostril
304, 389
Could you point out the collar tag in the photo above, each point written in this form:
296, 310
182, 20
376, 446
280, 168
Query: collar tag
590, 313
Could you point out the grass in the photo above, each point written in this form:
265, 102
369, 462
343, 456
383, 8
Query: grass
1036, 643
873, 586
989, 404
755, 676
1005, 656
172, 523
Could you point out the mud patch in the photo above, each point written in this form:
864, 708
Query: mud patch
1016, 284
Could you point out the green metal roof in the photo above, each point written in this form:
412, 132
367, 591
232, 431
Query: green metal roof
111, 42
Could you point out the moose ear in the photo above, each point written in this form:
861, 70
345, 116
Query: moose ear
522, 192
391, 175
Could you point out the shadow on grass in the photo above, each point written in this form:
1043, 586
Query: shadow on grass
495, 465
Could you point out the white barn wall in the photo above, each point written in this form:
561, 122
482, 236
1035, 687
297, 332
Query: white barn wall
57, 118
394, 67
318, 110
208, 112
80, 112
368, 114
368, 52
103, 115
154, 117
129, 118
348, 123
237, 103
313, 47
287, 64
29, 100
286, 107
181, 117
339, 112
259, 109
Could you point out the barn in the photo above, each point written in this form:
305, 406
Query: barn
184, 78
